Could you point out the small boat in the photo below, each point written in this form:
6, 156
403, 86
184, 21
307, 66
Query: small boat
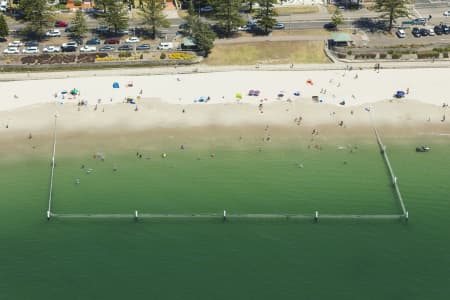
423, 149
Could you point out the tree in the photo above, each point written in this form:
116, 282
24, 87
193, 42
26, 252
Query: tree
265, 15
116, 15
200, 32
392, 9
79, 24
203, 36
3, 27
337, 18
103, 4
152, 11
250, 5
38, 15
191, 18
227, 13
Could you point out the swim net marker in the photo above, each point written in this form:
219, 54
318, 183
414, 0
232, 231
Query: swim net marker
50, 193
225, 216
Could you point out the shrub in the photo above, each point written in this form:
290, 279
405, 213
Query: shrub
162, 56
341, 55
390, 52
179, 55
125, 54
383, 55
396, 55
77, 3
349, 52
445, 55
427, 54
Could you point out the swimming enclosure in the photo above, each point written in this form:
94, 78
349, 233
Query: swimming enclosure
228, 215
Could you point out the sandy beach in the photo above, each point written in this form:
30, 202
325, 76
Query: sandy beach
348, 101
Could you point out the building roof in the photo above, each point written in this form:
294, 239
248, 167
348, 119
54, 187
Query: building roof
341, 37
188, 42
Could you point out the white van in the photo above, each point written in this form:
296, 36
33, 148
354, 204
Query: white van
165, 46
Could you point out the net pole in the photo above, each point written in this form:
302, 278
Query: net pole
52, 172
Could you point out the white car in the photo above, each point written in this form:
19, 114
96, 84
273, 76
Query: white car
165, 46
31, 50
3, 8
11, 50
401, 33
447, 13
15, 44
53, 33
431, 32
70, 44
132, 39
88, 48
52, 49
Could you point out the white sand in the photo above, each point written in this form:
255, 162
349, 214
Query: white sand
425, 85
165, 97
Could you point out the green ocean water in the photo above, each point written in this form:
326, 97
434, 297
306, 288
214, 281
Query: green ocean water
245, 259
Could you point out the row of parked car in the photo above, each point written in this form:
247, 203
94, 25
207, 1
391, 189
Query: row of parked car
419, 32
32, 47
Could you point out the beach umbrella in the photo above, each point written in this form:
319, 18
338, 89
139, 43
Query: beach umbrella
238, 96
342, 103
64, 92
297, 93
74, 91
115, 85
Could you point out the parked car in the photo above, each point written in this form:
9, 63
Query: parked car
3, 8
278, 26
244, 28
445, 29
95, 41
431, 31
143, 47
420, 21
11, 50
53, 33
424, 32
112, 41
132, 39
107, 48
31, 44
416, 32
330, 26
15, 44
31, 50
401, 33
88, 48
69, 49
125, 48
165, 46
51, 49
69, 29
123, 31
447, 13
102, 29
61, 24
206, 9
438, 30
70, 44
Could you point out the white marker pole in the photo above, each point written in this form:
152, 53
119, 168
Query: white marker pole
316, 216
136, 215
224, 215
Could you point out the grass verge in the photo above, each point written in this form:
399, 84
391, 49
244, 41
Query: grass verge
267, 53
296, 10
